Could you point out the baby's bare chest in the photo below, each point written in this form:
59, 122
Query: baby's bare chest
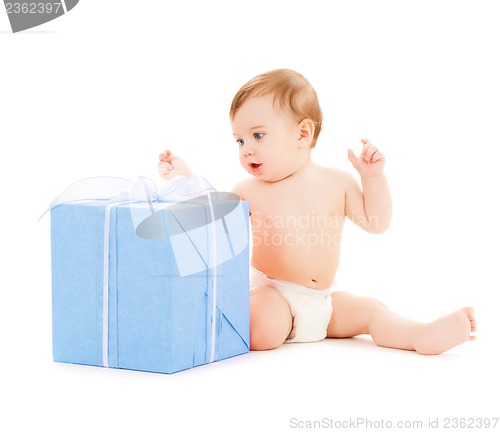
304, 208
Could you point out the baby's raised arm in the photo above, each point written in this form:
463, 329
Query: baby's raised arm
369, 207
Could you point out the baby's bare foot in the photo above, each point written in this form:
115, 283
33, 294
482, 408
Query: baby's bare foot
447, 332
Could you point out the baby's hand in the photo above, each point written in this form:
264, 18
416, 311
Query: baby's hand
171, 166
370, 162
165, 156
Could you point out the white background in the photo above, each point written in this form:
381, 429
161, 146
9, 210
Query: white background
104, 89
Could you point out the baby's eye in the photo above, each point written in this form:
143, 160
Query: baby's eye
240, 142
258, 135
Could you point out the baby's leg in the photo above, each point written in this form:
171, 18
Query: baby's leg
353, 316
270, 319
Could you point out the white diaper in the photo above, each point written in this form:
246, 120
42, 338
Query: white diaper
311, 309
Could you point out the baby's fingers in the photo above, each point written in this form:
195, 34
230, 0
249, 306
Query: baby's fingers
368, 150
352, 157
165, 156
375, 155
370, 153
165, 166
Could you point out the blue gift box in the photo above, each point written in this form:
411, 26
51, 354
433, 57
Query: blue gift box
163, 295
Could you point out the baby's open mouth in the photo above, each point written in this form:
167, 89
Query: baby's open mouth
255, 165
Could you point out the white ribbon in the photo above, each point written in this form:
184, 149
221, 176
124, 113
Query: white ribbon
213, 269
105, 285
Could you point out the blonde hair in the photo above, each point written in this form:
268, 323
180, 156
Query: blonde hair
290, 90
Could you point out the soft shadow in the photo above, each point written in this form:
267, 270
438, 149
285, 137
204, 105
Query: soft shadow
26, 32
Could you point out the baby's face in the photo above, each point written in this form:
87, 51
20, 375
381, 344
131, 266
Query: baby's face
268, 139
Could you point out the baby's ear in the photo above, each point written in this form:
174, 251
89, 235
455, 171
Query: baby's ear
306, 132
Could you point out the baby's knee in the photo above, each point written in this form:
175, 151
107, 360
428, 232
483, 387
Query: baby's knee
270, 319
263, 341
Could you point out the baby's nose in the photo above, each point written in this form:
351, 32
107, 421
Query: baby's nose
248, 151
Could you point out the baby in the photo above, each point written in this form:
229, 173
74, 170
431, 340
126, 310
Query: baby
298, 209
